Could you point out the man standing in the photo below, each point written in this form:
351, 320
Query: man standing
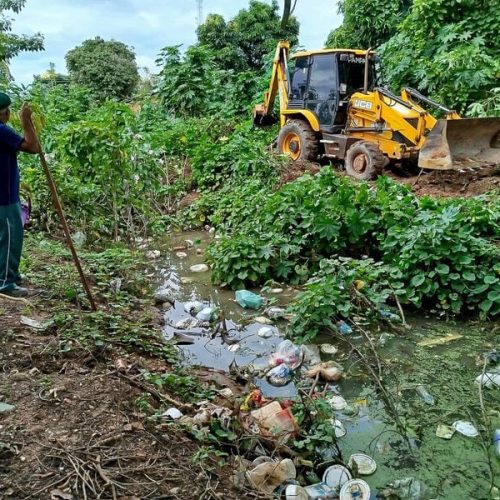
11, 225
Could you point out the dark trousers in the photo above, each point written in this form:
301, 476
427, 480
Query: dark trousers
11, 245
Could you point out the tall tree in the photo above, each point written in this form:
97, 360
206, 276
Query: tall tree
108, 68
10, 43
244, 41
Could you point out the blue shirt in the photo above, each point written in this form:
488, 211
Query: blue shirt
10, 143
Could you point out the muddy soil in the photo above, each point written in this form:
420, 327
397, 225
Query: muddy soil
77, 430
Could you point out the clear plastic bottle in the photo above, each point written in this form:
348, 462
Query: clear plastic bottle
426, 396
496, 442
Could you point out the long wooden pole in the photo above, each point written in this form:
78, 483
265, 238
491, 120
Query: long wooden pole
67, 233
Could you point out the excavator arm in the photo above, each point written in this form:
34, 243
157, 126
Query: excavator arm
279, 84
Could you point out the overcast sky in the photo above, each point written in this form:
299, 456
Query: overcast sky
146, 25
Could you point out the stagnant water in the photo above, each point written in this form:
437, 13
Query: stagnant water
459, 468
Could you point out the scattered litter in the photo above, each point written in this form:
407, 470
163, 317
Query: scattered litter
496, 442
383, 339
408, 488
466, 428
334, 478
344, 328
355, 489
79, 239
295, 492
181, 255
279, 375
326, 372
206, 314
186, 281
199, 268
328, 349
389, 315
234, 347
194, 307
153, 254
34, 324
189, 243
492, 357
338, 403
439, 340
489, 380
275, 312
265, 332
444, 431
6, 408
262, 320
172, 413
254, 400
187, 323
163, 295
249, 300
311, 354
115, 285
288, 353
426, 396
365, 464
276, 291
272, 419
267, 476
120, 365
339, 429
226, 392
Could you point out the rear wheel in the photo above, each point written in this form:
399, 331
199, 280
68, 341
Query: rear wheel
298, 141
364, 161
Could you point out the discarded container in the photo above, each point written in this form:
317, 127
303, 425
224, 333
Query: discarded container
206, 314
389, 315
426, 396
355, 489
193, 306
338, 403
319, 491
328, 349
181, 255
275, 312
466, 428
6, 408
187, 323
172, 413
234, 347
311, 354
249, 300
267, 476
265, 332
339, 429
444, 431
408, 488
275, 420
336, 476
489, 380
288, 353
365, 464
199, 268
295, 492
496, 442
344, 328
79, 239
279, 375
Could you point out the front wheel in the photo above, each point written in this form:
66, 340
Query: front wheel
298, 141
364, 161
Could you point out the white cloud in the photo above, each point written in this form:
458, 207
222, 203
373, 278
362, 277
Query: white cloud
146, 25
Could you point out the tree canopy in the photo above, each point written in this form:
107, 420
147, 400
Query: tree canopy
108, 68
10, 43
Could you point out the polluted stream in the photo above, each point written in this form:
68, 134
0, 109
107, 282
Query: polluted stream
429, 370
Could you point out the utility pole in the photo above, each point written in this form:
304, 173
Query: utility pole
200, 12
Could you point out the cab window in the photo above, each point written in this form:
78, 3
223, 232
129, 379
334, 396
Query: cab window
299, 76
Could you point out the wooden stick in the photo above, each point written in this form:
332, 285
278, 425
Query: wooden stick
67, 233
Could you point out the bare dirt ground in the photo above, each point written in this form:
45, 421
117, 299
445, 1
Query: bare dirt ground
77, 431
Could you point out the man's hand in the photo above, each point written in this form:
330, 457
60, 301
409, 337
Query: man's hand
25, 114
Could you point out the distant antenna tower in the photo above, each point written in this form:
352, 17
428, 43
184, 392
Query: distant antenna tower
200, 12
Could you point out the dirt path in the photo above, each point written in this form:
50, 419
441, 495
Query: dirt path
78, 429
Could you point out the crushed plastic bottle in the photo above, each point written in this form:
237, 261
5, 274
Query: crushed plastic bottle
426, 396
496, 442
389, 315
344, 328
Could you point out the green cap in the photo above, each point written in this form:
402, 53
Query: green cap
5, 101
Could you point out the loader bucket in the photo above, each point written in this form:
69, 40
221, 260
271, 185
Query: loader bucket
261, 118
463, 143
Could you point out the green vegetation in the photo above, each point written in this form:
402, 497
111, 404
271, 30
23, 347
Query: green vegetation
107, 68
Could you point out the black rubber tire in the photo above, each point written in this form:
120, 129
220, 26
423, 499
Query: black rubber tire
309, 144
373, 164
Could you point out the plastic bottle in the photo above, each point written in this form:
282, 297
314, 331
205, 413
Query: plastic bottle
422, 391
496, 442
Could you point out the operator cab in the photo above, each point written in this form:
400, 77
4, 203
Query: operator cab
323, 83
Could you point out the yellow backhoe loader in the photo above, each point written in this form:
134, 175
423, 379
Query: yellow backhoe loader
331, 106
